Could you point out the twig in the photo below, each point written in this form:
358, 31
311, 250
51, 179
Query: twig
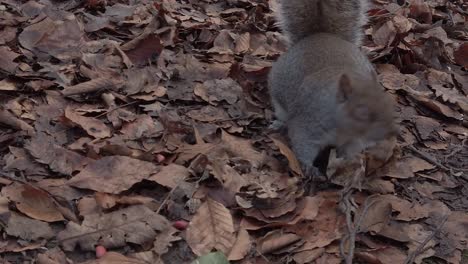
420, 248
428, 158
167, 197
115, 108
353, 228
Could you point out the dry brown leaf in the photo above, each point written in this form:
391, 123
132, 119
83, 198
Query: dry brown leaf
307, 256
92, 126
164, 240
241, 247
27, 229
376, 217
52, 256
208, 114
215, 91
113, 174
276, 240
211, 228
33, 202
171, 175
94, 85
461, 55
289, 154
239, 147
136, 224
9, 119
440, 108
43, 148
108, 201
115, 258
6, 60
59, 38
145, 50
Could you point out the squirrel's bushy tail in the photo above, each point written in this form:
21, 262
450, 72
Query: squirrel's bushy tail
344, 18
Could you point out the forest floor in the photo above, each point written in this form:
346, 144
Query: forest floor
136, 132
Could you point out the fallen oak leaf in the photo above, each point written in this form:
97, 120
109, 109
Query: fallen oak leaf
137, 224
212, 227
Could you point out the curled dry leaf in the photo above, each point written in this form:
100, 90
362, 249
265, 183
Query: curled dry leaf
289, 154
212, 227
98, 84
137, 224
113, 174
92, 126
276, 240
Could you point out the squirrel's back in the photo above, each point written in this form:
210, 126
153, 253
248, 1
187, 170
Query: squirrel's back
344, 18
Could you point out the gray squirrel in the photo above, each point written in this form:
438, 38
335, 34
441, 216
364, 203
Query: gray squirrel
324, 89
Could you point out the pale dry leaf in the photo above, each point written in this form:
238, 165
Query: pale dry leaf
170, 176
211, 227
92, 126
241, 247
113, 174
136, 224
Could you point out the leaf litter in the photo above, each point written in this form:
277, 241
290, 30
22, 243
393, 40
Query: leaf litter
120, 117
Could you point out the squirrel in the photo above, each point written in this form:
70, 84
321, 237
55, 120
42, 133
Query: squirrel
324, 89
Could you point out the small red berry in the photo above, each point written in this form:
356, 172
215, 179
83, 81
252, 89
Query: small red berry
181, 224
100, 251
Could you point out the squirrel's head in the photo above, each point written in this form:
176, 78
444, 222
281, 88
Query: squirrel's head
366, 114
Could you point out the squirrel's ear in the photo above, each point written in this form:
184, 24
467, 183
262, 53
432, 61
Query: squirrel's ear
344, 88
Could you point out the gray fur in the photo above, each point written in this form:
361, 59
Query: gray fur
324, 89
344, 18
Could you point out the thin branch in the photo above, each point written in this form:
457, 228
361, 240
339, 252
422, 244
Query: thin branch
420, 249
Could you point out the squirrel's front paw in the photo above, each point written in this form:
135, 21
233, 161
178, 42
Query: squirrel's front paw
313, 173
